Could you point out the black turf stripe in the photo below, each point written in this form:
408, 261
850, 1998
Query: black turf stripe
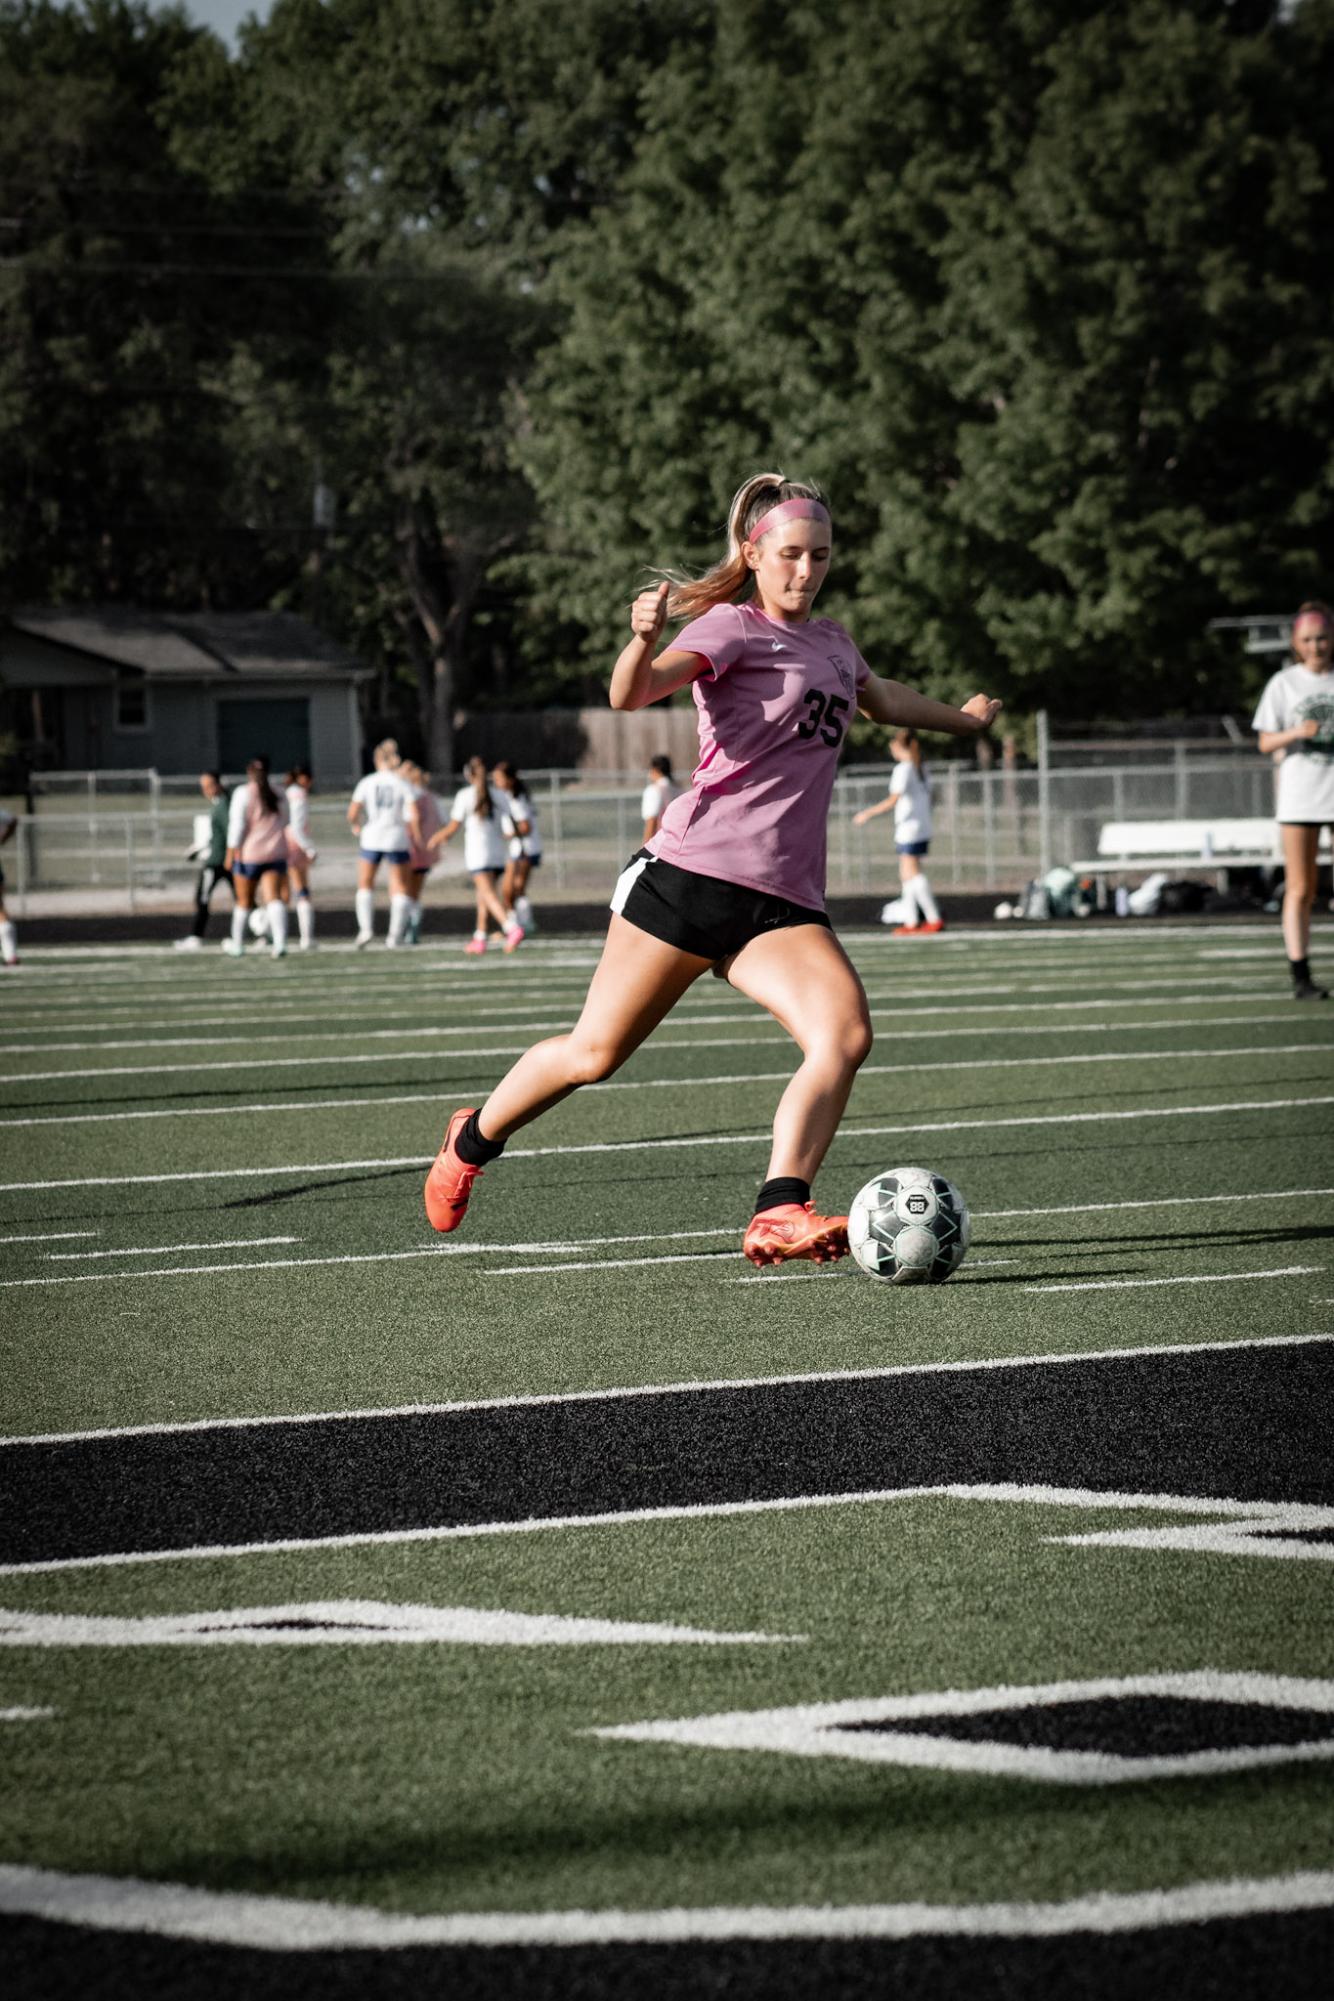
1239, 1959
1246, 1423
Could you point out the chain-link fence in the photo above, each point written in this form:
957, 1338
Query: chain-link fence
122, 839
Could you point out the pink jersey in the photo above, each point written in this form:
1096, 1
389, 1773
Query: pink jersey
257, 836
773, 710
428, 816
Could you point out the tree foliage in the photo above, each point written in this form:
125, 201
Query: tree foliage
1035, 288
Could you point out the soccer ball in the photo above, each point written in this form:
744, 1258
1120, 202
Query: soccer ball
909, 1227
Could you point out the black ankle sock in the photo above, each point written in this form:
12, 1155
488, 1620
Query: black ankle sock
783, 1189
1301, 972
473, 1147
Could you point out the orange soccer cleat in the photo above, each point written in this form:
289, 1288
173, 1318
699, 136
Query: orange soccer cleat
449, 1183
795, 1231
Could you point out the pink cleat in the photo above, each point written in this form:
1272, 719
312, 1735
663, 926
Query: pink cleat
514, 937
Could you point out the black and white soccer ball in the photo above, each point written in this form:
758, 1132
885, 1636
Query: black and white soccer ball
909, 1227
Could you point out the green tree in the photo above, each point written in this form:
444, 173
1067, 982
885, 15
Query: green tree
1030, 288
124, 282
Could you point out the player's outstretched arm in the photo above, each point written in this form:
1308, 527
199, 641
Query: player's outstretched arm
890, 702
637, 678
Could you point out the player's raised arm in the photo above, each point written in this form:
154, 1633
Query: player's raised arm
890, 702
637, 678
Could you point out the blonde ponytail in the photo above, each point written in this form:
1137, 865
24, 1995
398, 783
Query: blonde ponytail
475, 769
729, 579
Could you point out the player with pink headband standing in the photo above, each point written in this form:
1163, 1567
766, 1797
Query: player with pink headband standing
733, 881
1296, 717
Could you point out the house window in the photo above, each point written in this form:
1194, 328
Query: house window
131, 704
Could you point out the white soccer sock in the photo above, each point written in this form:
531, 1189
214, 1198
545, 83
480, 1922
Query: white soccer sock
305, 919
9, 942
400, 909
278, 925
926, 902
365, 907
240, 918
415, 920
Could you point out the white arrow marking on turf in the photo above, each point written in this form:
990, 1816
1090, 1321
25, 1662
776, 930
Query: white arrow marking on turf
362, 1622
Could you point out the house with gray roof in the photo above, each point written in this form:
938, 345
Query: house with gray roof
113, 688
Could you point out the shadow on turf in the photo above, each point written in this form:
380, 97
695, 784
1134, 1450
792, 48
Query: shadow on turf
447, 1089
1143, 1240
471, 1849
270, 1196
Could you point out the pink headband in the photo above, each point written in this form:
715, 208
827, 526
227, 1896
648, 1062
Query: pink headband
789, 510
1318, 617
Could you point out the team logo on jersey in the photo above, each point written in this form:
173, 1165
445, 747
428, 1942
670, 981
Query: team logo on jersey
1318, 709
843, 668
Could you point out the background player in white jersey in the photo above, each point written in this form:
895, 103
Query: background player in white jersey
909, 800
9, 947
657, 795
301, 850
257, 857
1296, 717
479, 809
523, 841
383, 814
420, 859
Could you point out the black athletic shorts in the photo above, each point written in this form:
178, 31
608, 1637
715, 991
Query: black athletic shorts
701, 913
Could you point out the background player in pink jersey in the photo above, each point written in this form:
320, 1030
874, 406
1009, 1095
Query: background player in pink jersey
257, 857
733, 880
421, 859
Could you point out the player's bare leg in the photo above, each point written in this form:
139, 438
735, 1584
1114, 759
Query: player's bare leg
638, 981
1300, 845
805, 980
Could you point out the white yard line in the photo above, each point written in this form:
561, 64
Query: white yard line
294, 1925
986, 1364
987, 1493
1203, 1278
618, 1264
50, 1237
677, 1084
756, 1024
400, 1056
892, 1009
161, 1250
1156, 1202
657, 1145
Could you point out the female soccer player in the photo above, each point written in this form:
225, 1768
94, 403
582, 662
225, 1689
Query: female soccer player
479, 808
659, 791
733, 881
300, 850
381, 813
420, 858
523, 842
257, 857
9, 946
909, 800
1296, 716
